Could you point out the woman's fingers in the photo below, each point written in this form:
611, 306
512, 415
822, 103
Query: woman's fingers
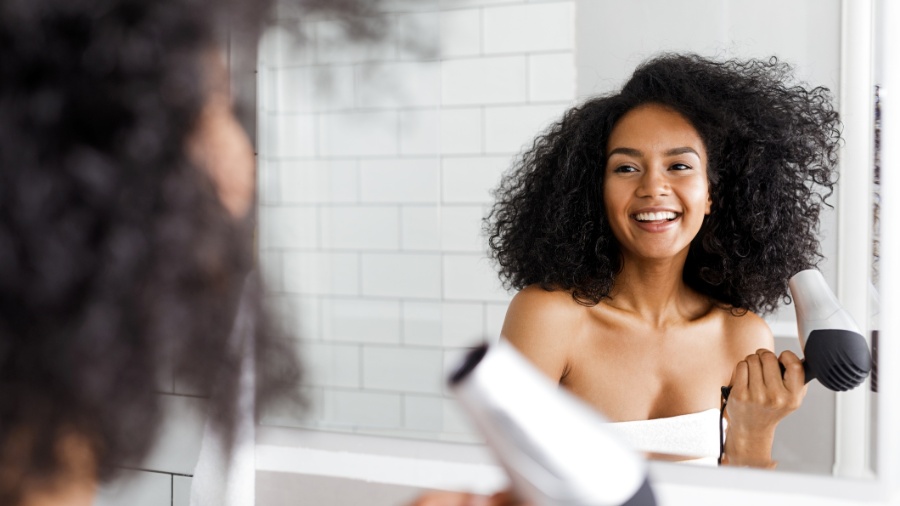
771, 369
794, 376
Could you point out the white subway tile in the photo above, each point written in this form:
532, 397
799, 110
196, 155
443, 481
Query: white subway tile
329, 364
372, 133
270, 269
495, 314
267, 89
457, 4
551, 77
512, 129
402, 369
471, 179
453, 324
315, 88
423, 413
291, 135
420, 228
288, 227
456, 421
351, 409
403, 84
413, 180
268, 181
361, 321
471, 277
360, 227
418, 33
321, 273
422, 323
420, 132
463, 324
319, 181
332, 45
461, 131
495, 80
401, 275
461, 229
460, 32
535, 27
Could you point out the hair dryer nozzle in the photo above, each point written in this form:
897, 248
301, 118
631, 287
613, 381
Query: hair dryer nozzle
835, 352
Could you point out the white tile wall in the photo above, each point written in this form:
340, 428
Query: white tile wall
511, 129
181, 490
321, 273
410, 180
401, 275
460, 33
361, 321
331, 364
461, 130
420, 132
377, 162
533, 27
137, 488
467, 180
359, 133
495, 80
318, 181
352, 409
403, 369
360, 227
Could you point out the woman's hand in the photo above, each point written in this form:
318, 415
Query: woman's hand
760, 398
464, 499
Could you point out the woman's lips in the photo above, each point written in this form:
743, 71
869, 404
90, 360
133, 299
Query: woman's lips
656, 221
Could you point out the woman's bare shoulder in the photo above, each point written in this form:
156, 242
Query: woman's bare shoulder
747, 332
543, 324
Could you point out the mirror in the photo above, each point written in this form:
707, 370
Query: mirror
376, 163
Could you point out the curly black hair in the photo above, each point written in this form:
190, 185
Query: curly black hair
772, 151
120, 268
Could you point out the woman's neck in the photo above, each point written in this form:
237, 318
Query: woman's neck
655, 291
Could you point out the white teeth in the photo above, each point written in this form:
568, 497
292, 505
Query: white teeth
664, 215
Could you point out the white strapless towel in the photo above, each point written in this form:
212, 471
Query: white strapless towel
694, 436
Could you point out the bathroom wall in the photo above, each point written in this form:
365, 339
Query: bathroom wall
376, 162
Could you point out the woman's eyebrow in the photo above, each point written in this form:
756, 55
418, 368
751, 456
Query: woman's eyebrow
681, 151
625, 151
637, 153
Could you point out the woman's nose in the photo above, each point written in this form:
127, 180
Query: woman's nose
653, 183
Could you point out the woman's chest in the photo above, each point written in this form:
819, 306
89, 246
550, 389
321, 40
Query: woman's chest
639, 373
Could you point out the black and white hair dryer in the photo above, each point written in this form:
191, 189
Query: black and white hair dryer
554, 447
835, 352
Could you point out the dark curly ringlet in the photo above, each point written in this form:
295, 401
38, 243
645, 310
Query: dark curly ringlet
772, 151
120, 269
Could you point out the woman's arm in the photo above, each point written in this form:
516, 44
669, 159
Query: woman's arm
760, 398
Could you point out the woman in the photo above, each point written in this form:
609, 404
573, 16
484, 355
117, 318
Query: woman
126, 190
647, 228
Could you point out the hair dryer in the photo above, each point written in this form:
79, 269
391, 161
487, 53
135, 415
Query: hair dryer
554, 447
835, 352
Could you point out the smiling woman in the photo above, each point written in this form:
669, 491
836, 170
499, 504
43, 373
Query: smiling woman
646, 228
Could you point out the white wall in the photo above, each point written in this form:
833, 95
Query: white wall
376, 163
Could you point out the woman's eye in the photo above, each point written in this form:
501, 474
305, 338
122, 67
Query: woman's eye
624, 169
681, 166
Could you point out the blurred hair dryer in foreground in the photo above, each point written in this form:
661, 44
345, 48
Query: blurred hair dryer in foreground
835, 352
555, 448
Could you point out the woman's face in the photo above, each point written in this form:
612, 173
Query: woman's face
221, 146
655, 186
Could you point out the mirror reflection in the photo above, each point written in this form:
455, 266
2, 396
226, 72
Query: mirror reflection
376, 170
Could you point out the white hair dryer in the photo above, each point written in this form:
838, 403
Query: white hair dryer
554, 447
835, 352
